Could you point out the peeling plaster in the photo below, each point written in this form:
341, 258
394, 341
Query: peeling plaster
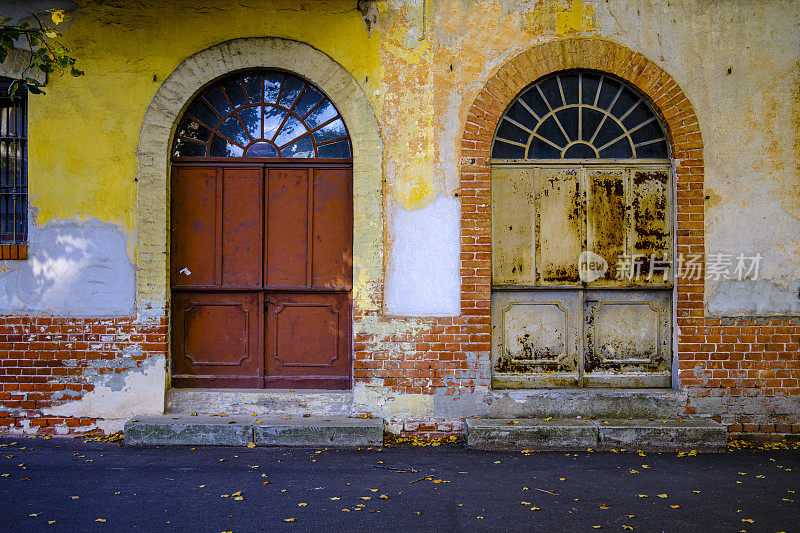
135, 392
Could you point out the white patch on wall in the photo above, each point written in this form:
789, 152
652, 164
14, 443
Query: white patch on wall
135, 392
422, 276
74, 268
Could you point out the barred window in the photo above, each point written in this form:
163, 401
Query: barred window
580, 115
262, 113
13, 165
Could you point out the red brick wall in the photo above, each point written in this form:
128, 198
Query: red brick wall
46, 361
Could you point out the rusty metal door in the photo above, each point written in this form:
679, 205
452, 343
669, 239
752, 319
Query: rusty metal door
261, 270
581, 285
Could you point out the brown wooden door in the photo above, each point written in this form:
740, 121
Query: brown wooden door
261, 276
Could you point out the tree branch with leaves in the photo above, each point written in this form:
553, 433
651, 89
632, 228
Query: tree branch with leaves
47, 53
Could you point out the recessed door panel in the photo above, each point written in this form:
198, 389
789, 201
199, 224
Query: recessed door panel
216, 339
650, 232
535, 338
241, 227
286, 257
308, 340
332, 229
559, 224
513, 223
193, 227
627, 341
606, 221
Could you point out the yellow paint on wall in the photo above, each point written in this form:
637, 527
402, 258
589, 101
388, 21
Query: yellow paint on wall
84, 132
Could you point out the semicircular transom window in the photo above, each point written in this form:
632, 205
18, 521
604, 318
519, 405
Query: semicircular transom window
262, 113
580, 115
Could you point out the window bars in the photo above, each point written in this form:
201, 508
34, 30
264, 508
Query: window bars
580, 115
13, 166
262, 113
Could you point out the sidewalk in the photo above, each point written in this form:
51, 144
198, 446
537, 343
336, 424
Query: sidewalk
88, 486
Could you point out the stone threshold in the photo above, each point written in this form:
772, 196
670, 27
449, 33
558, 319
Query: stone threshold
577, 434
262, 402
241, 430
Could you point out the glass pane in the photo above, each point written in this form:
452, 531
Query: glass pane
217, 100
193, 129
569, 85
541, 150
185, 148
552, 92
550, 131
252, 85
323, 113
308, 99
261, 149
591, 120
589, 89
233, 88
222, 148
291, 130
638, 114
232, 129
329, 132
302, 148
272, 86
535, 102
291, 90
251, 116
21, 218
609, 131
579, 151
657, 150
569, 121
608, 91
502, 150
510, 132
273, 118
518, 112
338, 149
625, 101
199, 110
619, 150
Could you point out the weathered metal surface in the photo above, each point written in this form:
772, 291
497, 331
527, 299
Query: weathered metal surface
559, 225
331, 213
286, 231
513, 223
535, 338
193, 227
216, 339
626, 338
308, 340
605, 217
650, 226
239, 241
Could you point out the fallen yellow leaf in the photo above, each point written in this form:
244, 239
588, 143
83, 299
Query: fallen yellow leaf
662, 495
251, 444
100, 520
302, 504
674, 506
288, 519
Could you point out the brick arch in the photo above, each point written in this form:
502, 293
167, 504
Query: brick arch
678, 117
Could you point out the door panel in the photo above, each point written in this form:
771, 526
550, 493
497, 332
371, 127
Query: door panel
332, 233
308, 340
535, 338
605, 219
559, 225
241, 237
286, 258
513, 223
193, 227
627, 341
216, 339
651, 225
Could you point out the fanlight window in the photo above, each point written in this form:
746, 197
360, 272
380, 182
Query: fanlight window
262, 113
579, 115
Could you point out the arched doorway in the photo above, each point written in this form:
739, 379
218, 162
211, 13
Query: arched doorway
582, 237
261, 236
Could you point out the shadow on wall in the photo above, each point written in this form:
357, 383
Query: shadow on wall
74, 268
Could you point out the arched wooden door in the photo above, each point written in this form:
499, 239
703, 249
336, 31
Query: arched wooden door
261, 237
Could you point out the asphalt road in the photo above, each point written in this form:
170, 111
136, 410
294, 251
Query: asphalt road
99, 486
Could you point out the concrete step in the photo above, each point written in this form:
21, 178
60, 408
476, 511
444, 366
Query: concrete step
584, 403
273, 402
572, 434
239, 430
